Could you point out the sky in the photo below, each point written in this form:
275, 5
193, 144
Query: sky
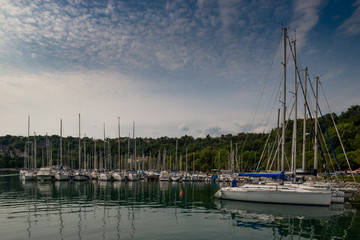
175, 68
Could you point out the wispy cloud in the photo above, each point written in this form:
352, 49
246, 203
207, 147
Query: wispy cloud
306, 16
182, 66
351, 26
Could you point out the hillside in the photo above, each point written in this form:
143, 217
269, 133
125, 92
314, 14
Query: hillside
203, 153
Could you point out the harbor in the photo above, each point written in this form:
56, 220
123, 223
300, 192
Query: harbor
139, 209
179, 120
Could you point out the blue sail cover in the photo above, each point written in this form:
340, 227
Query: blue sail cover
281, 175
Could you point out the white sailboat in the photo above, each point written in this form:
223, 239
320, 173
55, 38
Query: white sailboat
80, 175
45, 173
276, 193
28, 174
164, 176
61, 174
119, 175
105, 175
133, 174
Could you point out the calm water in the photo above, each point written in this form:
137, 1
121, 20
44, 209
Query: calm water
146, 210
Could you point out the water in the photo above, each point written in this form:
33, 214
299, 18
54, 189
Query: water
153, 210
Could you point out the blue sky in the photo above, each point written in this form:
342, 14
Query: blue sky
174, 67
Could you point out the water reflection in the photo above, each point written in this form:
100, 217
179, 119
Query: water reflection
309, 222
157, 210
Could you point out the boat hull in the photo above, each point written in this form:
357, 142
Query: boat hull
61, 176
118, 177
293, 196
104, 177
80, 177
134, 177
44, 177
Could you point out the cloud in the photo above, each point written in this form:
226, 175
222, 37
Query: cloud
183, 128
351, 26
306, 16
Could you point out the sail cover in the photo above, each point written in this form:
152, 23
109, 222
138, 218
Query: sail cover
281, 175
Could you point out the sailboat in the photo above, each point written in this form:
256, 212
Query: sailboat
29, 174
279, 193
80, 175
133, 174
45, 173
105, 175
119, 175
61, 174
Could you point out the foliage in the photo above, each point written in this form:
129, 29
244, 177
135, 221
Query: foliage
242, 151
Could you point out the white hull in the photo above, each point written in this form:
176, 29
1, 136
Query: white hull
105, 177
80, 177
44, 174
62, 176
118, 177
29, 176
164, 176
175, 178
134, 177
337, 196
275, 194
44, 177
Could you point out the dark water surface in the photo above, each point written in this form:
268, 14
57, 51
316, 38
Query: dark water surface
153, 210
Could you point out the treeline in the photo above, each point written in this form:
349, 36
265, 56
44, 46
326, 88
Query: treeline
244, 151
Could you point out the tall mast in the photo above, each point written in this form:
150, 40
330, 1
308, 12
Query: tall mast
119, 143
60, 142
85, 157
294, 152
304, 127
186, 160
176, 159
134, 148
284, 104
316, 123
95, 159
127, 163
28, 147
79, 145
105, 162
34, 150
278, 140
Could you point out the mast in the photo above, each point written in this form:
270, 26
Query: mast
28, 147
186, 161
284, 103
79, 145
60, 142
278, 140
119, 143
105, 161
85, 158
34, 164
127, 163
176, 159
294, 152
231, 157
304, 127
134, 149
95, 159
316, 123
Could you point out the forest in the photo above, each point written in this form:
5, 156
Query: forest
241, 152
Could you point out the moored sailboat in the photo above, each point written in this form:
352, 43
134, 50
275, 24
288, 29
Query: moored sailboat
280, 193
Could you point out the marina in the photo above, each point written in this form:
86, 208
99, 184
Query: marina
247, 120
157, 210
